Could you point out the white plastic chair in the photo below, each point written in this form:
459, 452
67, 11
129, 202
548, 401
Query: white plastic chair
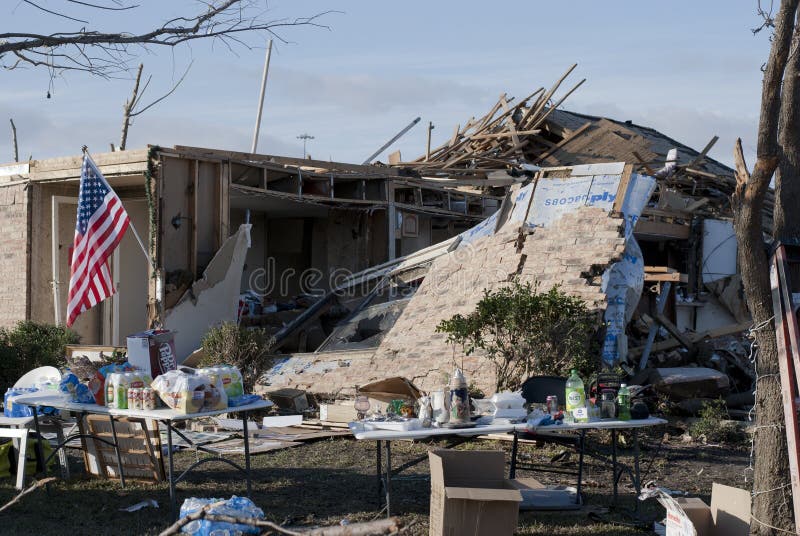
31, 379
20, 435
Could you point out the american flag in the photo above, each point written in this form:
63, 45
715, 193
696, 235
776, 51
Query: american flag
101, 223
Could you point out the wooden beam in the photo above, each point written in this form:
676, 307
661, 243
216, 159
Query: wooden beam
702, 156
622, 189
657, 229
676, 277
573, 135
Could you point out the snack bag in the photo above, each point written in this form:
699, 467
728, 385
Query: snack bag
190, 392
231, 380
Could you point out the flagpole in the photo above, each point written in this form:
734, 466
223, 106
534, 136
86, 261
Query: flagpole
85, 150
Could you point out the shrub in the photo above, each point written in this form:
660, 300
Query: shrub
713, 425
29, 345
525, 332
246, 349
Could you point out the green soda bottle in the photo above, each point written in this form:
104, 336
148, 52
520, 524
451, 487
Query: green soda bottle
624, 403
575, 397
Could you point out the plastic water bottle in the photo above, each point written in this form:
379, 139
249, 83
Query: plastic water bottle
624, 403
575, 397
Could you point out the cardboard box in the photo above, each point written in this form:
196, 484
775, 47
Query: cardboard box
153, 351
470, 495
337, 412
289, 399
728, 515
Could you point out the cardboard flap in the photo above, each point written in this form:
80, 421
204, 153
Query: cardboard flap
452, 466
391, 389
483, 494
730, 509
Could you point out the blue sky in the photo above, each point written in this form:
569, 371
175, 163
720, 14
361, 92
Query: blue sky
690, 69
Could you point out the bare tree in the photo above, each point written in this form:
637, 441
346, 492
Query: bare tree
109, 54
133, 107
772, 510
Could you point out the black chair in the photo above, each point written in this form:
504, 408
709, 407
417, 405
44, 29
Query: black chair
535, 390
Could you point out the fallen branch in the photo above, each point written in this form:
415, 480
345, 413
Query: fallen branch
370, 528
36, 484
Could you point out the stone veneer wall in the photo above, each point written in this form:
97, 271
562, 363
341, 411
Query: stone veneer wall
14, 254
572, 252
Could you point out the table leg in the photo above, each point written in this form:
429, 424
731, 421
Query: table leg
116, 450
637, 484
388, 481
614, 462
581, 444
379, 472
512, 472
170, 469
62, 453
39, 449
246, 452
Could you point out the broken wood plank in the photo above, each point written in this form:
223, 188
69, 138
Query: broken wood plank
670, 343
675, 277
674, 331
673, 231
622, 189
697, 204
702, 156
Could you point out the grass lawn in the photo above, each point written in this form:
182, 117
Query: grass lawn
325, 482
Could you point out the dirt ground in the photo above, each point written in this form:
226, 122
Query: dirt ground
334, 480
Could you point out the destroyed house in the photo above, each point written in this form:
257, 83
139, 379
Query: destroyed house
302, 219
688, 289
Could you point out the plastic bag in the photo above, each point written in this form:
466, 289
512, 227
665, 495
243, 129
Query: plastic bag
241, 507
10, 409
77, 391
189, 392
243, 400
230, 376
97, 385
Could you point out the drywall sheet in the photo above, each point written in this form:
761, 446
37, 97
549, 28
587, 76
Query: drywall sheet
719, 250
213, 299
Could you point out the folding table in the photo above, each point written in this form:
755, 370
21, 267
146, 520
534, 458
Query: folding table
582, 427
384, 474
167, 417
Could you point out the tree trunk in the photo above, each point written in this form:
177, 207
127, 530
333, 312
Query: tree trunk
786, 226
127, 108
771, 508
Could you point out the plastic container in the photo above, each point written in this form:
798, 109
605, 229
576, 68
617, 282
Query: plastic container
575, 397
396, 426
624, 403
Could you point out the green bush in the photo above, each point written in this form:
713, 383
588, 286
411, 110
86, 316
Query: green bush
245, 348
713, 424
29, 345
525, 332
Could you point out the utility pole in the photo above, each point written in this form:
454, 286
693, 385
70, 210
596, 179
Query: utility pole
261, 96
305, 138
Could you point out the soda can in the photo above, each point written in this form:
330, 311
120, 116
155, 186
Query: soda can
552, 404
135, 398
148, 398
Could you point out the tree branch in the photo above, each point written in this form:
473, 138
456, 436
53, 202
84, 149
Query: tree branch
36, 485
222, 19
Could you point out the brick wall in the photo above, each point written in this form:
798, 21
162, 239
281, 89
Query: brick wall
14, 254
572, 252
